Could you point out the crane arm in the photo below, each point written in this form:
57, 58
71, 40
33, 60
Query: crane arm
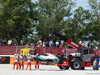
66, 40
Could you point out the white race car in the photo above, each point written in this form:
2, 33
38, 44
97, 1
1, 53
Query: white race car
47, 57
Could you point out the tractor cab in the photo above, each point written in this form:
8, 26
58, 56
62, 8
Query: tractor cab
85, 54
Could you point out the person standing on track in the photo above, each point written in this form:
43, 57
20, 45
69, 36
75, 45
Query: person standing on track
19, 65
37, 62
15, 62
29, 58
21, 61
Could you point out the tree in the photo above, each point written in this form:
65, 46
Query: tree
94, 26
17, 18
75, 26
51, 15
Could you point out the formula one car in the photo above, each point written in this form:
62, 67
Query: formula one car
47, 57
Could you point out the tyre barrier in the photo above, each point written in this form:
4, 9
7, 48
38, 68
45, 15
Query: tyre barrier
10, 60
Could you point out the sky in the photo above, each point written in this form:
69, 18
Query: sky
83, 3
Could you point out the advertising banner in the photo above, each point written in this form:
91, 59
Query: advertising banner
4, 60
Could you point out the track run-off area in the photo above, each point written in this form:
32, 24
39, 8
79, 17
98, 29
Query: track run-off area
7, 69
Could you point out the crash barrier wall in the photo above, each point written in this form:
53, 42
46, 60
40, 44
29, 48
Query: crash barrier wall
11, 50
10, 60
4, 59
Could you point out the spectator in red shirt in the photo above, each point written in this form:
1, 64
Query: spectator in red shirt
60, 46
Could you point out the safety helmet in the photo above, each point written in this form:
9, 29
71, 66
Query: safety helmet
21, 54
29, 54
18, 55
15, 54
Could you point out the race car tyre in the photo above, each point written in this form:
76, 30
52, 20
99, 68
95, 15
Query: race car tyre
61, 58
56, 60
63, 67
95, 64
76, 64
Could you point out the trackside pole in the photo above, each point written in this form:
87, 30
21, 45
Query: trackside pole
65, 52
16, 49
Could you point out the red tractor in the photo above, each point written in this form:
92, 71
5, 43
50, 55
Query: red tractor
83, 57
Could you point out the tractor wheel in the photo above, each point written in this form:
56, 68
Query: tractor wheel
63, 67
76, 64
95, 64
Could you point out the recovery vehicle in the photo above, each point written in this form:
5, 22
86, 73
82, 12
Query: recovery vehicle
84, 57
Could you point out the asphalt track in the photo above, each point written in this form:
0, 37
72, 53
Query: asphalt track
6, 69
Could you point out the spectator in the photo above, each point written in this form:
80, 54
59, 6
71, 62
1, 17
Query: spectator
96, 47
4, 41
62, 42
80, 42
38, 43
50, 43
14, 42
44, 46
47, 44
29, 43
33, 42
60, 46
57, 43
22, 42
91, 45
9, 42
44, 43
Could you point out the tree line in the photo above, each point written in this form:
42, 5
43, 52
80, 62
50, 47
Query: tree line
20, 18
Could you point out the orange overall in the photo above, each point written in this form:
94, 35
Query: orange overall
21, 63
28, 62
37, 65
37, 62
15, 62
